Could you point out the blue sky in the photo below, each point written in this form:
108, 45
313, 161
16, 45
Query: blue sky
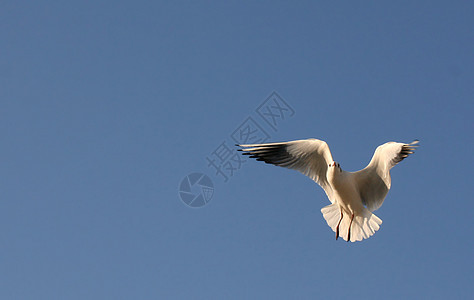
107, 105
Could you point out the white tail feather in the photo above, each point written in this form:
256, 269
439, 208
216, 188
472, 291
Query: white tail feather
363, 226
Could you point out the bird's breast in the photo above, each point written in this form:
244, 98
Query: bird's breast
345, 190
335, 176
338, 181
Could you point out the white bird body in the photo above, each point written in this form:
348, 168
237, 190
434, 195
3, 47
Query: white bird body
353, 195
345, 190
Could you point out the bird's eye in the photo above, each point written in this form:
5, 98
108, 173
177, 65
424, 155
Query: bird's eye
329, 165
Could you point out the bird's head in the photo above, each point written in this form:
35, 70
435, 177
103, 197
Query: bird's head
335, 165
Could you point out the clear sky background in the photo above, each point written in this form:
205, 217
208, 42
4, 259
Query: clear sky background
105, 106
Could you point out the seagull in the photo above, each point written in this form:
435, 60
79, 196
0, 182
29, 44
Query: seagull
353, 195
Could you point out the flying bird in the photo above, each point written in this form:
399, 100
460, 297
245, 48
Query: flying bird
353, 195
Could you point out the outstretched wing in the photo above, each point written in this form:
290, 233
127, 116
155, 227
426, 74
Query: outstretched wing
374, 181
311, 157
